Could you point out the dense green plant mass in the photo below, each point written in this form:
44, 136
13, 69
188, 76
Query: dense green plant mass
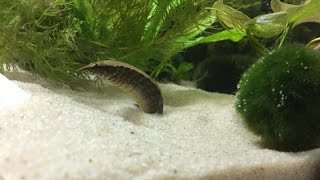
55, 37
279, 98
41, 37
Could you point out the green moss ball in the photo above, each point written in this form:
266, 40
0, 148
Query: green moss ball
279, 98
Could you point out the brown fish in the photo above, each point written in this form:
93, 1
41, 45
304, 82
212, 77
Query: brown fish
314, 44
131, 80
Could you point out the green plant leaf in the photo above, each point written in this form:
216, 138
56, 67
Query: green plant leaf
230, 17
230, 34
297, 14
184, 67
278, 6
268, 25
157, 15
204, 19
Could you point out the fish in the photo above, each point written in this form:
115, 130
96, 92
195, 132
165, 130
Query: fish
314, 44
133, 81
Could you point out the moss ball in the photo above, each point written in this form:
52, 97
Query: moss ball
279, 98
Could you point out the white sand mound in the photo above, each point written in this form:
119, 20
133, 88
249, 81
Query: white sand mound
64, 134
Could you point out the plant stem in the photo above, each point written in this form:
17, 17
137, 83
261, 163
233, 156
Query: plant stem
284, 35
261, 47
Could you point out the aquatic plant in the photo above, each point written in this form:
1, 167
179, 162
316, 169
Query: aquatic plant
55, 37
279, 98
41, 37
221, 71
277, 24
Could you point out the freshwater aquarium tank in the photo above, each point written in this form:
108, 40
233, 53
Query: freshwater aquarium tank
159, 89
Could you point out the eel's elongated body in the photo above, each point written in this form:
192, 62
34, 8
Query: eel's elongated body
131, 80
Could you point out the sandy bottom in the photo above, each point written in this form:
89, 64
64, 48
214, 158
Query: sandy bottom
63, 134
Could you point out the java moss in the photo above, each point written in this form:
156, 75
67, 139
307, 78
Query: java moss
279, 98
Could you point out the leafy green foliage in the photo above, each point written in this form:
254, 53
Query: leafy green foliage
269, 25
229, 34
279, 98
306, 12
230, 17
56, 37
40, 38
173, 73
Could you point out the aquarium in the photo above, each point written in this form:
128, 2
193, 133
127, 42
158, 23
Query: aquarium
159, 89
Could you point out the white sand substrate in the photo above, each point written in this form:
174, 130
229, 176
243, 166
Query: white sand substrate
64, 134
